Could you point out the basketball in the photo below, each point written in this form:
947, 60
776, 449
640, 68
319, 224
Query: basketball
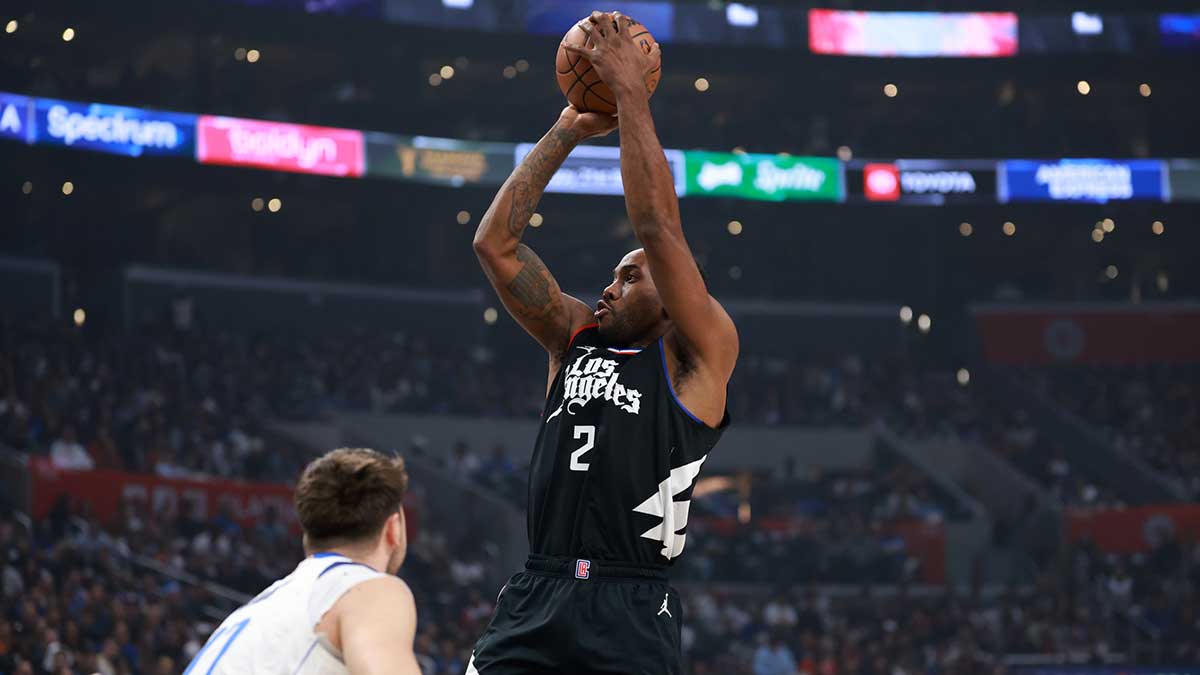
579, 81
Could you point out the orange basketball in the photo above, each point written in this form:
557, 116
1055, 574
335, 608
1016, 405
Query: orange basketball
579, 81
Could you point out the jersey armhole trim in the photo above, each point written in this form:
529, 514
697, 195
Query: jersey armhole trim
343, 562
577, 332
662, 352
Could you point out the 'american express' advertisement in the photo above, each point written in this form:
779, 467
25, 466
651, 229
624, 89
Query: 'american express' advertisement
1082, 180
121, 131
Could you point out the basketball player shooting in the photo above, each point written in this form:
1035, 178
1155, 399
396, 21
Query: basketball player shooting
342, 610
635, 402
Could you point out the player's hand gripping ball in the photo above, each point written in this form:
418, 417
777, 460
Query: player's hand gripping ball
598, 55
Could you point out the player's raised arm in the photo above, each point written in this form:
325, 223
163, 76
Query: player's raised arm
650, 194
527, 289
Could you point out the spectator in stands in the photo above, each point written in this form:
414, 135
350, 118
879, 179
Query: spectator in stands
67, 453
773, 657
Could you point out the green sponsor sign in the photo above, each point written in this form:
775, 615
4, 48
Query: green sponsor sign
764, 177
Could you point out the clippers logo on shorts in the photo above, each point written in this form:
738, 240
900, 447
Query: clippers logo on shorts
595, 378
583, 569
881, 182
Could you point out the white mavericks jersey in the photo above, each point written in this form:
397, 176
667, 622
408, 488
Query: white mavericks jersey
273, 634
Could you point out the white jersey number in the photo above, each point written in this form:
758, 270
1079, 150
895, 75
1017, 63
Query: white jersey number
589, 432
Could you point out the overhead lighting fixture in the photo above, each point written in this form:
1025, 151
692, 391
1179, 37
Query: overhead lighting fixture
890, 90
1084, 23
1083, 87
906, 314
741, 16
734, 227
701, 84
11, 26
68, 35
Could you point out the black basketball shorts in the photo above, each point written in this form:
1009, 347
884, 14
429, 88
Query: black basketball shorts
580, 617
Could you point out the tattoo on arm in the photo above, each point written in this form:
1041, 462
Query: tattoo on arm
532, 286
532, 176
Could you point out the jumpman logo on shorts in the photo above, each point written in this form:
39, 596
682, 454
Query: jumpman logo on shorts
664, 610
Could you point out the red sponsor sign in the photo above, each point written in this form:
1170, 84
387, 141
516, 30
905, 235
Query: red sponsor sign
283, 147
881, 182
1136, 529
104, 491
1042, 335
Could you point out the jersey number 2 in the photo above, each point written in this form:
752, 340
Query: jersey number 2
588, 433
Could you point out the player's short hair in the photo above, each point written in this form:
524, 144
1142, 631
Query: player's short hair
345, 496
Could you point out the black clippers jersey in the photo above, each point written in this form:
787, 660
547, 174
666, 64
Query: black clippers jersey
616, 458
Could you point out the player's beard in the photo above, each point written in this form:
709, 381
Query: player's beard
621, 328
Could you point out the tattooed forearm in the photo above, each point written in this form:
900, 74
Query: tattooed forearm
533, 287
530, 179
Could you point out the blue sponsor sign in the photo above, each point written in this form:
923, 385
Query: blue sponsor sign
1082, 180
122, 131
16, 123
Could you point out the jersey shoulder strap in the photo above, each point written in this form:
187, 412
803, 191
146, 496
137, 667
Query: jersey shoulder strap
331, 584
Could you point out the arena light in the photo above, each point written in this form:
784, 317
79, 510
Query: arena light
252, 55
274, 205
68, 34
1010, 228
735, 272
509, 72
1083, 87
1144, 90
1108, 225
26, 187
701, 84
256, 204
890, 90
435, 80
844, 153
522, 65
1158, 227
11, 26
924, 323
79, 316
1111, 272
1097, 235
68, 187
963, 376
535, 220
446, 72
906, 314
734, 227
1162, 282
741, 16
464, 217
239, 54
965, 229
490, 315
